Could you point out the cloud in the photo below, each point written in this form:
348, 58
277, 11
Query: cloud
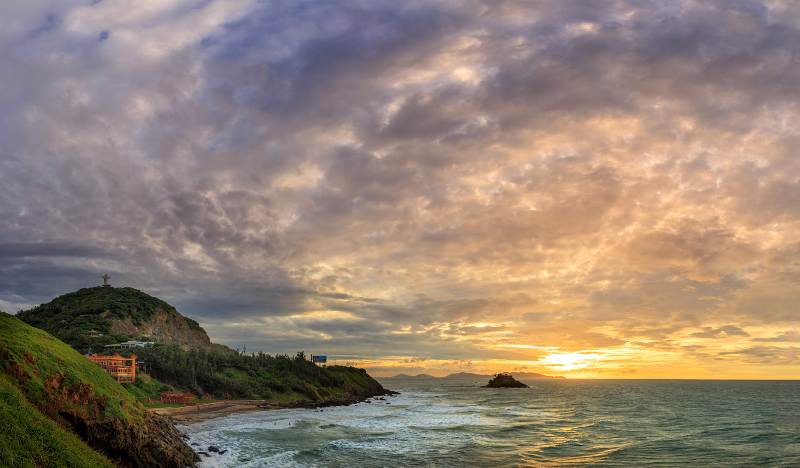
13, 250
767, 355
725, 331
787, 336
453, 175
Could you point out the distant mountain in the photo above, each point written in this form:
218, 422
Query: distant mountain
418, 376
90, 318
477, 377
518, 375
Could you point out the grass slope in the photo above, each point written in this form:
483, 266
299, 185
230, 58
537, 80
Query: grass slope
40, 361
29, 439
214, 370
44, 377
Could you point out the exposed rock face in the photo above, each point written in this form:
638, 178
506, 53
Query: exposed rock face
155, 443
152, 442
166, 327
143, 439
505, 381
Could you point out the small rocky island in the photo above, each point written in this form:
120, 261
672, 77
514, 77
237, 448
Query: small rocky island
505, 380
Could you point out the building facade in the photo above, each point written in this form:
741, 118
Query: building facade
122, 369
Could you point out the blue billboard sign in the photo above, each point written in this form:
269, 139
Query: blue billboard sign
319, 359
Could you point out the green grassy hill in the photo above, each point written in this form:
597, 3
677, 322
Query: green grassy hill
53, 397
30, 439
89, 318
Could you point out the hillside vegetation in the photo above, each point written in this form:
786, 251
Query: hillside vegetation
31, 439
230, 374
43, 379
198, 366
91, 318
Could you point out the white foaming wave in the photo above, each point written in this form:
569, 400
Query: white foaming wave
405, 417
215, 460
417, 417
225, 433
409, 440
283, 460
218, 461
278, 419
388, 444
238, 452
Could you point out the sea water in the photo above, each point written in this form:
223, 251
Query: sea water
552, 423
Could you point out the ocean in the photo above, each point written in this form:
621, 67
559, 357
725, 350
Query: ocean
436, 423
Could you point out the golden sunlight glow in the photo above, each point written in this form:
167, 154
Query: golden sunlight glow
570, 361
508, 187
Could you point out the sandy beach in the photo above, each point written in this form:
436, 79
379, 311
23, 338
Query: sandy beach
206, 411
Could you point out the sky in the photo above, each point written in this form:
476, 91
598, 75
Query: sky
605, 189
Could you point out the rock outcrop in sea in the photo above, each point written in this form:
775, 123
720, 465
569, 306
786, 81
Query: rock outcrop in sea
504, 380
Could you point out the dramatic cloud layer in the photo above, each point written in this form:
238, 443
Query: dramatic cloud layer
589, 188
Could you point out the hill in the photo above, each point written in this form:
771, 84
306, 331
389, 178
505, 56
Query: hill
90, 318
184, 356
60, 409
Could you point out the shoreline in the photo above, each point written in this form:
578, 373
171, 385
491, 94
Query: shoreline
206, 411
186, 415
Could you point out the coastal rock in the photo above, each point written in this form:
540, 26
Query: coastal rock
154, 441
504, 380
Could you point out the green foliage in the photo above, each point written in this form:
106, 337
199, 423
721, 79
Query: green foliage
147, 388
37, 356
215, 370
224, 373
35, 370
119, 302
28, 438
74, 316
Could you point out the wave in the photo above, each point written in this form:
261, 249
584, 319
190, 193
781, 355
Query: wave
587, 425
